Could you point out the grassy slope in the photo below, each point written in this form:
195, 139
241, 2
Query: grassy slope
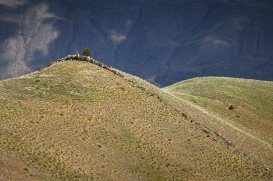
252, 99
78, 120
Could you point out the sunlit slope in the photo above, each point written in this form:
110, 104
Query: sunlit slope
78, 120
245, 103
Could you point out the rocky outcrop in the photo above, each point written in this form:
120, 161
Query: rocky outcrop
78, 57
161, 41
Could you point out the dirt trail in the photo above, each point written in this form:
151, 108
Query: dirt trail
226, 123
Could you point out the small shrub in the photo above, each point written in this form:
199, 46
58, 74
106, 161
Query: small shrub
87, 52
231, 107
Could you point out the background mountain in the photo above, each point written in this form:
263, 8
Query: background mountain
162, 41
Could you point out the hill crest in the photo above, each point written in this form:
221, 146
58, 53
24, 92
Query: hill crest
53, 119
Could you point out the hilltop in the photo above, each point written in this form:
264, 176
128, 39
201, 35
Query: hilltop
82, 120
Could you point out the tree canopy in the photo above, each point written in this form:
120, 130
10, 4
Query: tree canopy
87, 52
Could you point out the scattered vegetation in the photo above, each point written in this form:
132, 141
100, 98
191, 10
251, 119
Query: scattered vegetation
84, 120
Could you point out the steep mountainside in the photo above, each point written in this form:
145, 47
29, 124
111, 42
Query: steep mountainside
80, 120
161, 41
244, 103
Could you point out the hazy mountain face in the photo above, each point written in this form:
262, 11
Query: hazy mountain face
162, 41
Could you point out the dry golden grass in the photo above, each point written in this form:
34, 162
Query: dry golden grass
248, 127
251, 101
78, 121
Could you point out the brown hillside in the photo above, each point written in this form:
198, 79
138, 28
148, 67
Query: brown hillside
77, 120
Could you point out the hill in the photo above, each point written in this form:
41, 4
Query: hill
81, 120
244, 103
161, 41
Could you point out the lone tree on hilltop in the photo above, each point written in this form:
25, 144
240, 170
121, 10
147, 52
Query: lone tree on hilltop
87, 52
